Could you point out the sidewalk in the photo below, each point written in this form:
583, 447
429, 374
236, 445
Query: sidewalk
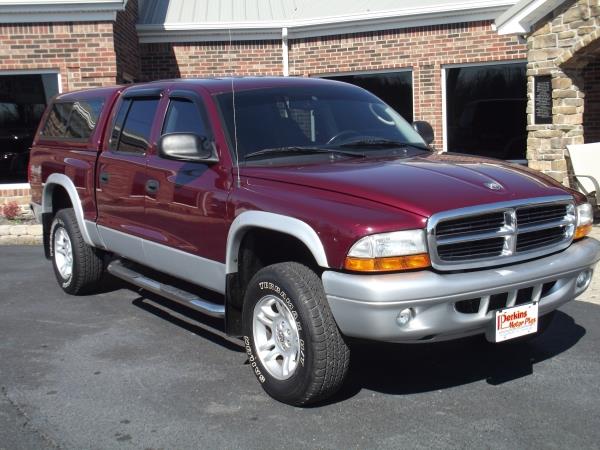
592, 294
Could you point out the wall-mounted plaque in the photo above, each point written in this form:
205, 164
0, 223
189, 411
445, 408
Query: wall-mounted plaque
543, 99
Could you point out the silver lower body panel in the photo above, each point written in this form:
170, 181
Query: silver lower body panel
367, 306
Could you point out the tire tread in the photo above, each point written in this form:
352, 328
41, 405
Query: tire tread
88, 263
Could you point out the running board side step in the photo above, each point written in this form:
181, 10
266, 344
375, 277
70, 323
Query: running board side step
188, 299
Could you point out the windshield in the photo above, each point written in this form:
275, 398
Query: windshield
318, 116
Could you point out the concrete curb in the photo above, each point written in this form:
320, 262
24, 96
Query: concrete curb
20, 234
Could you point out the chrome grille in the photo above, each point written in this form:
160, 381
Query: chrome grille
500, 233
540, 238
467, 250
485, 222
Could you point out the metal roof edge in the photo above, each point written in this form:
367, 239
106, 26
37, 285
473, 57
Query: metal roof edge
347, 24
35, 11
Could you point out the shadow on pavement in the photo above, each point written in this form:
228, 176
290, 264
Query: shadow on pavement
401, 369
408, 369
201, 325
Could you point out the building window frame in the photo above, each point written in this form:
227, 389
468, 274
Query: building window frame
444, 69
47, 71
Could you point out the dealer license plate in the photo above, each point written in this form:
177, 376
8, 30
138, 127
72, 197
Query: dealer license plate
515, 322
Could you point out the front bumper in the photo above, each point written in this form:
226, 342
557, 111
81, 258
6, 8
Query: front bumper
366, 306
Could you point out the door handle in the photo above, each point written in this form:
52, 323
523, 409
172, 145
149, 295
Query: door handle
152, 186
104, 177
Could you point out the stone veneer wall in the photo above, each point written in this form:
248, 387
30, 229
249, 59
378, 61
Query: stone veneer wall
561, 46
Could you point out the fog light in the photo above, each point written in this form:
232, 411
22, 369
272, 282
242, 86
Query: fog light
583, 280
404, 316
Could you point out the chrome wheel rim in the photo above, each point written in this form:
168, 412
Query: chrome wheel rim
63, 253
276, 337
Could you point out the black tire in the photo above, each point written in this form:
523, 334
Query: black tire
324, 357
87, 262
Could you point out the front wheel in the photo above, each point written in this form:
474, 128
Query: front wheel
294, 346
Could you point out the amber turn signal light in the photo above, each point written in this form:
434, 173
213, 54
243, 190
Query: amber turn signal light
388, 264
582, 231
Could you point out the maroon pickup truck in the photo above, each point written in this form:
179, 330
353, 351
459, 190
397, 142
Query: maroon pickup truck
305, 213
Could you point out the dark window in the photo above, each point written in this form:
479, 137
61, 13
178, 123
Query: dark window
486, 110
23, 100
393, 88
184, 116
118, 124
58, 120
84, 117
135, 135
73, 120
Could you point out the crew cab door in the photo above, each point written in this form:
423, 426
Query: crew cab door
186, 213
121, 173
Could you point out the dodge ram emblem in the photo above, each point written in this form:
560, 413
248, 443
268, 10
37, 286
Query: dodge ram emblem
493, 186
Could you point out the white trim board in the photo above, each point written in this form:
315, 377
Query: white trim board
466, 11
36, 11
521, 17
7, 186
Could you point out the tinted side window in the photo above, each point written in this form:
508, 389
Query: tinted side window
183, 116
73, 120
118, 124
84, 117
135, 135
58, 119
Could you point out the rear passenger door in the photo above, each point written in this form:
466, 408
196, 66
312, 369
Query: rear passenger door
121, 174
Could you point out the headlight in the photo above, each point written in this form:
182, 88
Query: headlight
386, 252
585, 218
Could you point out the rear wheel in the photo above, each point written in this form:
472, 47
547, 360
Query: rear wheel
294, 346
77, 266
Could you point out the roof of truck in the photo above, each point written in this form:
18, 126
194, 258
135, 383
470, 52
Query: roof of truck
227, 84
212, 85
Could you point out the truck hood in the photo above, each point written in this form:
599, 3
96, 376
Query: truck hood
424, 185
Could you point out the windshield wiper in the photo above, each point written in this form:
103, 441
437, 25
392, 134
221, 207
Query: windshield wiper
276, 151
384, 143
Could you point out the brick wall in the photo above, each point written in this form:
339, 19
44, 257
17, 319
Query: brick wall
21, 196
424, 50
160, 61
82, 52
127, 44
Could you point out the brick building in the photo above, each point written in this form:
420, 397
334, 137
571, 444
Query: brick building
435, 60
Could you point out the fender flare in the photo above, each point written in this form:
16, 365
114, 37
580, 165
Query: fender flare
59, 179
276, 222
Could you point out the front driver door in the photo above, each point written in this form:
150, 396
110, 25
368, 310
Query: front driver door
186, 214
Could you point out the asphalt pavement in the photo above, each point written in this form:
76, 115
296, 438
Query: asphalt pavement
122, 369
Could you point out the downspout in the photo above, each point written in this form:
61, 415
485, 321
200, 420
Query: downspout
284, 52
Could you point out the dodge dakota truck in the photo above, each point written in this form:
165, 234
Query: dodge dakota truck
305, 213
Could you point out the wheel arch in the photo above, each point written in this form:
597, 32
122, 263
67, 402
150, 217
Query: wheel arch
58, 179
291, 226
250, 222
